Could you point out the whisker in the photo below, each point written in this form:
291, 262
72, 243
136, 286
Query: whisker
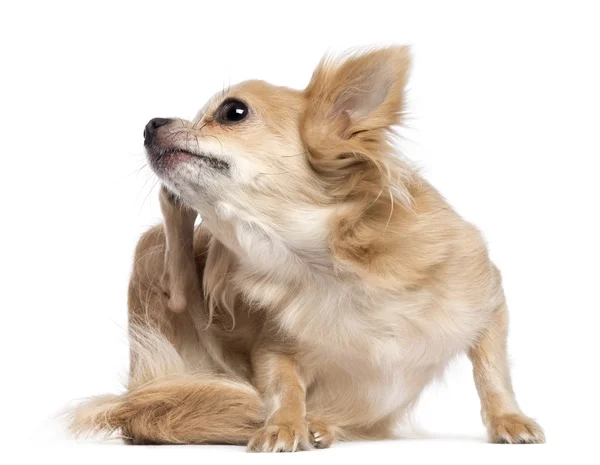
171, 135
149, 192
137, 172
146, 182
210, 135
200, 119
200, 130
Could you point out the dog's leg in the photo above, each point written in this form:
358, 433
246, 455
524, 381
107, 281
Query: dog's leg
149, 312
501, 414
180, 279
277, 379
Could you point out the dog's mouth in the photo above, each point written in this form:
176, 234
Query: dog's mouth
165, 158
214, 162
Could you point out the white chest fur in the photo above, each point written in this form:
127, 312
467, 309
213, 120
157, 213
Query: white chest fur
380, 351
373, 348
345, 320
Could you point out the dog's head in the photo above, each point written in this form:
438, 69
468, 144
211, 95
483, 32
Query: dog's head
282, 162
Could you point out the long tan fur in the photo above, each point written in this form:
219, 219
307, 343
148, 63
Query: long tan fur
327, 285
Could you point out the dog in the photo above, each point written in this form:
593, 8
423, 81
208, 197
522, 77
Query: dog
326, 286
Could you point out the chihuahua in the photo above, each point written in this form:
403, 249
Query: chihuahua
326, 286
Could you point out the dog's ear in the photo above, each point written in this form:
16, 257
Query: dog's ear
180, 280
352, 103
362, 91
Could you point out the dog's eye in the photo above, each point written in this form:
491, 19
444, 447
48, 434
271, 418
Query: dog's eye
232, 111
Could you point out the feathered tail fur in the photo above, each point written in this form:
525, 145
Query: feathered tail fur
169, 403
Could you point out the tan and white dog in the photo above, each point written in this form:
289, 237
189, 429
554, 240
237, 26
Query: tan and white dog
326, 286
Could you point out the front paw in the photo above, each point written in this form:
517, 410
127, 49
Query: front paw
287, 437
515, 429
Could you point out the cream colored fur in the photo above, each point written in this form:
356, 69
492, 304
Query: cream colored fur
327, 285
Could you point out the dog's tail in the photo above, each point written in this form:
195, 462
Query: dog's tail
167, 403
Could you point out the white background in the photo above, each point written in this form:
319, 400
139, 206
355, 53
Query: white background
504, 117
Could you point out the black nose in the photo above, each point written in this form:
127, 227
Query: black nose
151, 128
